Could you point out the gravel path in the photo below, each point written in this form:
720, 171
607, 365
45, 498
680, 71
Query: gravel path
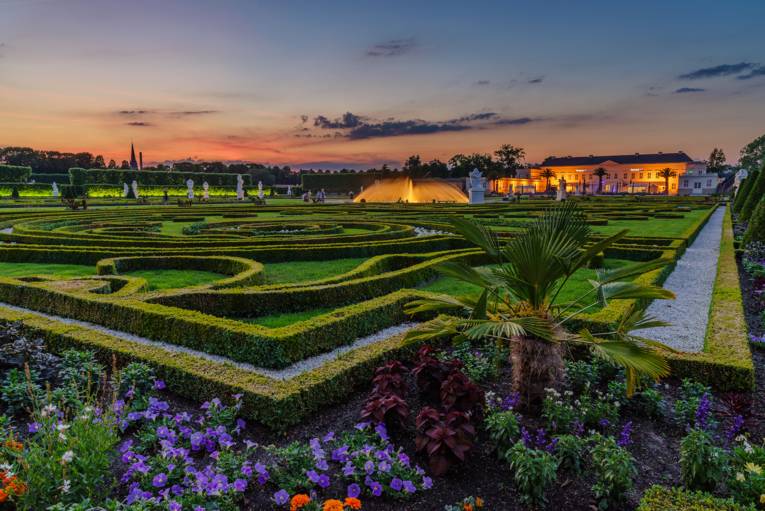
692, 282
287, 373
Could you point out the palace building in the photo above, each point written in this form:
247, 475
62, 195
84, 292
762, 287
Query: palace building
621, 173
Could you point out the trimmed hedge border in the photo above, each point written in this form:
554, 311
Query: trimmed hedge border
660, 498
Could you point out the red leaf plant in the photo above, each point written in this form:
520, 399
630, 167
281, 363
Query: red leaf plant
458, 392
446, 438
390, 409
430, 372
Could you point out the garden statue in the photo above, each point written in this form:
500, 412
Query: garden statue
239, 187
476, 185
55, 190
260, 189
125, 190
561, 195
289, 190
134, 185
189, 188
205, 190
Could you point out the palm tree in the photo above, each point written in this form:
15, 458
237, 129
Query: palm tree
547, 174
517, 304
601, 173
666, 174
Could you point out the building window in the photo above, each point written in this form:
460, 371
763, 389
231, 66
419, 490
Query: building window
673, 186
625, 175
697, 184
709, 183
685, 183
641, 175
649, 175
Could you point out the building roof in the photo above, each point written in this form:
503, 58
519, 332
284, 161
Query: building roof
627, 159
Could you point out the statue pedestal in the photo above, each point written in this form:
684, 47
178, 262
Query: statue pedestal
476, 196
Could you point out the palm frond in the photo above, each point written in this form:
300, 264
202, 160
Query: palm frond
625, 272
479, 235
441, 326
439, 302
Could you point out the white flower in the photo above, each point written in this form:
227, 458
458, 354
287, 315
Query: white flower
67, 457
62, 437
49, 409
62, 427
740, 477
66, 486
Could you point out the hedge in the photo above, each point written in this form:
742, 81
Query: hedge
756, 192
156, 177
755, 231
660, 498
40, 190
50, 178
14, 174
743, 191
338, 182
272, 402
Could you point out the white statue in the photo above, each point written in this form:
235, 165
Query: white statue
260, 189
476, 186
55, 190
189, 188
289, 190
239, 187
134, 185
125, 191
205, 190
561, 194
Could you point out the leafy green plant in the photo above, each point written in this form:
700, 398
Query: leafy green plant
502, 427
480, 363
534, 471
687, 402
569, 450
581, 374
746, 480
517, 303
702, 464
614, 468
19, 392
81, 371
136, 382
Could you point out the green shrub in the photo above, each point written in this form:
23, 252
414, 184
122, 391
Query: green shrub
534, 471
755, 231
19, 393
746, 480
14, 174
743, 192
754, 196
614, 469
503, 429
659, 498
702, 464
570, 451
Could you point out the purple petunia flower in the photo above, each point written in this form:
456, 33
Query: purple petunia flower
324, 481
354, 490
427, 482
159, 480
396, 484
369, 467
281, 497
174, 506
510, 402
409, 487
240, 485
376, 488
312, 476
159, 385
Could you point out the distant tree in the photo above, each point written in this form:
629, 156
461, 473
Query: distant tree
462, 165
753, 154
547, 174
436, 168
125, 165
215, 166
716, 161
83, 160
98, 163
510, 159
601, 173
665, 174
413, 166
112, 164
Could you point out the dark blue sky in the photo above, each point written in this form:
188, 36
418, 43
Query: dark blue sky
270, 81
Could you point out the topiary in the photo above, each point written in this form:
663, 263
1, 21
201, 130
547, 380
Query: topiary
743, 192
755, 194
755, 231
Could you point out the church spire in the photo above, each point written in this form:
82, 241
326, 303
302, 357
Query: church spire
133, 162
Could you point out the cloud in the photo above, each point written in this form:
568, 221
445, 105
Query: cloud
685, 90
474, 117
392, 48
759, 71
483, 82
514, 122
184, 113
399, 128
134, 112
348, 120
536, 80
139, 124
721, 70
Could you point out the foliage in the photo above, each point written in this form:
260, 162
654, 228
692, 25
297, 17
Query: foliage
80, 371
18, 351
614, 469
430, 372
659, 498
746, 479
593, 409
569, 450
687, 403
756, 193
753, 154
534, 471
446, 438
503, 429
756, 229
20, 392
516, 302
702, 464
480, 363
14, 174
390, 409
459, 393
136, 383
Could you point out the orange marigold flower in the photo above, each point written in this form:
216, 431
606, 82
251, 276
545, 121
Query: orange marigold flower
3, 496
467, 506
353, 503
298, 501
332, 505
478, 502
14, 445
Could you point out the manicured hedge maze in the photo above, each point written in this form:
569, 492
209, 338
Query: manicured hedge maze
204, 338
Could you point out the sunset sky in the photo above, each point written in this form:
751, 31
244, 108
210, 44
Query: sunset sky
335, 83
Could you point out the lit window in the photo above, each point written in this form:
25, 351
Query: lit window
625, 175
641, 175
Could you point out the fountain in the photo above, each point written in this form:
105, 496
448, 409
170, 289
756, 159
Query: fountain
406, 190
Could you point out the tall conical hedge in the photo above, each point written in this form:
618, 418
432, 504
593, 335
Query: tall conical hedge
755, 231
743, 191
754, 196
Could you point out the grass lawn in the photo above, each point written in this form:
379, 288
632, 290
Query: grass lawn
576, 286
280, 320
57, 270
171, 279
298, 271
655, 227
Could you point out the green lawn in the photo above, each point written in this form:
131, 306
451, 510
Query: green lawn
56, 270
172, 279
574, 288
299, 271
280, 320
654, 227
